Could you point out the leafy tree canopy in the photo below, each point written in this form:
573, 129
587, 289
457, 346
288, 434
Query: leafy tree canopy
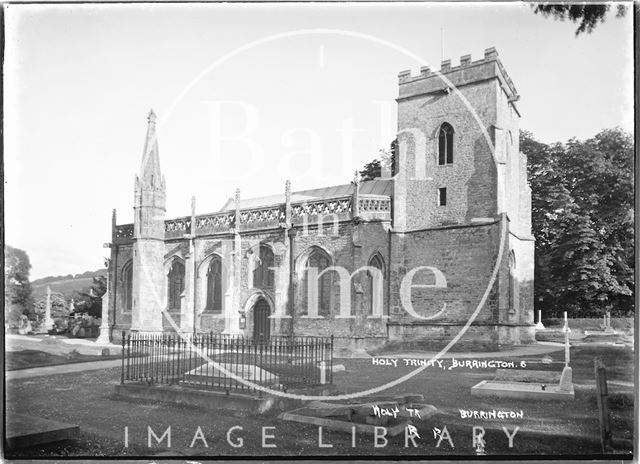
586, 15
16, 281
89, 300
386, 161
582, 217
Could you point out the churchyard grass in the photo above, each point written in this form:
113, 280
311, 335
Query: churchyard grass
552, 428
33, 358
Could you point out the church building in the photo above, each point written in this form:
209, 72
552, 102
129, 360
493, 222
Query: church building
410, 259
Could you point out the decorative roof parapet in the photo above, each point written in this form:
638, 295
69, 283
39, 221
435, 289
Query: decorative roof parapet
123, 233
370, 206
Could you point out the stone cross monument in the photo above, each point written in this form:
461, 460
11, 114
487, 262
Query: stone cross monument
48, 322
104, 323
566, 379
539, 325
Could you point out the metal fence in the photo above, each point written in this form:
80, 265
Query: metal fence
227, 363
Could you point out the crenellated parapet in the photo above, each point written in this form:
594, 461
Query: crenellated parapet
467, 72
326, 211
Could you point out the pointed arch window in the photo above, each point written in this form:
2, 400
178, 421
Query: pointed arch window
127, 286
319, 260
263, 268
214, 286
445, 144
376, 285
175, 284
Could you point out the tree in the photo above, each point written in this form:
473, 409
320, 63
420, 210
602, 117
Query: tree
582, 217
386, 160
18, 296
89, 300
587, 15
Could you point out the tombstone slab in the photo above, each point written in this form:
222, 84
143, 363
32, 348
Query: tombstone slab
521, 390
209, 372
526, 375
307, 416
23, 431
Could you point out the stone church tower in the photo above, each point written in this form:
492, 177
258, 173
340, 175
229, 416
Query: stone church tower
460, 193
148, 238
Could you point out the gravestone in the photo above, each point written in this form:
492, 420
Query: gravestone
532, 390
395, 414
23, 431
566, 382
210, 373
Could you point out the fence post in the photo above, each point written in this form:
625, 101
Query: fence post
122, 373
603, 409
261, 342
331, 361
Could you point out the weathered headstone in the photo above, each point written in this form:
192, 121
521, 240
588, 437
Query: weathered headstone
566, 379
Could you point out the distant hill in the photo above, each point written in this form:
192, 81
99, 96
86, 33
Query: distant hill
65, 284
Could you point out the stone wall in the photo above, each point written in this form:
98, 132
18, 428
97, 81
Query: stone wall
465, 256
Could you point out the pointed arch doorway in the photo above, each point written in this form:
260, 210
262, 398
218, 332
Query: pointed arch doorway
261, 321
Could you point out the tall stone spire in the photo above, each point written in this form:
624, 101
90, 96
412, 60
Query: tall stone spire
150, 173
148, 285
149, 203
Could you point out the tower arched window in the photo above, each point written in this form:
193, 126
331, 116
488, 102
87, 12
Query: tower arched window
319, 260
214, 286
175, 284
375, 284
263, 268
445, 144
127, 286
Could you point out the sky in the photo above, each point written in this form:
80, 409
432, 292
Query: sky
249, 95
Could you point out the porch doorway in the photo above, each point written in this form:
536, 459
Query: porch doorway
261, 321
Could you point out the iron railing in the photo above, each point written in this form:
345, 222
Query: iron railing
227, 363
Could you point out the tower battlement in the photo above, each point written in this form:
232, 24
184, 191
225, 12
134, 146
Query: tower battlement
467, 72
